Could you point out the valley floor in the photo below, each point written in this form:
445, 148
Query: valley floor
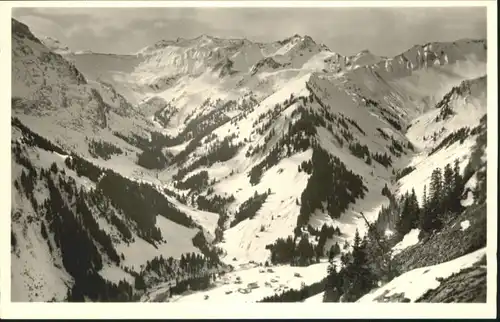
268, 281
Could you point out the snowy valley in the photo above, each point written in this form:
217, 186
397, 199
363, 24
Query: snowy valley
212, 169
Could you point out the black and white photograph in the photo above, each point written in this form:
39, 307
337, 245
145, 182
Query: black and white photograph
225, 155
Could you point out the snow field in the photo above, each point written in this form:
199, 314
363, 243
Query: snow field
282, 278
278, 215
178, 241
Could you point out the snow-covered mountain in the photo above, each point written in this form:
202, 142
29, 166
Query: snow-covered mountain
220, 147
79, 128
56, 46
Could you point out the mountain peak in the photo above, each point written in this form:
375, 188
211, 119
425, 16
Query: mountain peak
204, 37
364, 52
296, 37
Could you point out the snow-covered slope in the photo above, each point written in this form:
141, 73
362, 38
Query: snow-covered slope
51, 96
318, 298
69, 125
40, 269
446, 133
414, 284
245, 142
462, 106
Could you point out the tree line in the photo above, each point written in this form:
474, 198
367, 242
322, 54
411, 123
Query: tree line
218, 152
330, 182
250, 207
355, 277
190, 272
299, 295
303, 253
103, 149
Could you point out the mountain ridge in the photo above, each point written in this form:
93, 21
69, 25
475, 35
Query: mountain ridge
244, 39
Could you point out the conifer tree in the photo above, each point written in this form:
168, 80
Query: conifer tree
332, 285
414, 209
334, 251
404, 221
409, 213
458, 187
436, 191
424, 199
480, 189
433, 206
448, 187
358, 278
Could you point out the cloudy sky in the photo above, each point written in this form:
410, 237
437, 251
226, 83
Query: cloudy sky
384, 31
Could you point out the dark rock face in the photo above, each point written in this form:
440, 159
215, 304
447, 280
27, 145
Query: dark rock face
443, 247
466, 286
22, 31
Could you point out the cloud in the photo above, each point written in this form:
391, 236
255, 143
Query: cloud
159, 24
385, 31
